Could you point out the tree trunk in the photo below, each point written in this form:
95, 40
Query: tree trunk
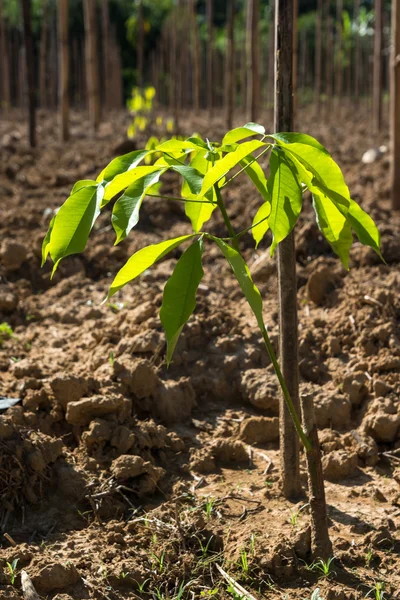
339, 45
196, 58
287, 284
357, 57
210, 39
4, 64
230, 64
271, 51
295, 59
43, 55
318, 57
92, 56
395, 105
30, 70
253, 59
377, 75
105, 19
140, 47
321, 546
63, 21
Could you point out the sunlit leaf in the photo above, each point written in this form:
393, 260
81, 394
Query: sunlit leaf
122, 181
334, 226
73, 223
143, 259
178, 146
260, 224
46, 241
242, 274
179, 298
125, 214
286, 196
223, 166
256, 174
240, 133
122, 164
365, 228
82, 183
298, 138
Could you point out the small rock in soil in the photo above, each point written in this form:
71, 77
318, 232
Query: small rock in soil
339, 465
174, 401
318, 284
381, 388
354, 385
332, 410
128, 466
55, 576
256, 389
68, 388
83, 411
259, 430
226, 452
13, 255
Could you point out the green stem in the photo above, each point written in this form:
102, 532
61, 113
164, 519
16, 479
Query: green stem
226, 218
296, 421
292, 411
251, 227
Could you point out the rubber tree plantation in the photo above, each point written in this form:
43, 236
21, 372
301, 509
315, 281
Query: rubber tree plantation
297, 163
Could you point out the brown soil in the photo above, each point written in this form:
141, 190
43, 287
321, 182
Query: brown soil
120, 479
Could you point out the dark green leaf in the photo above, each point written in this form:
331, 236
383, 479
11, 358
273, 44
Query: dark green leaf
142, 260
125, 214
73, 223
286, 196
179, 298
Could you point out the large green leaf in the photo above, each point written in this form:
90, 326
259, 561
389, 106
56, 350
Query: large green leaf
178, 146
286, 196
257, 176
197, 211
179, 298
223, 166
298, 138
365, 228
121, 164
82, 183
73, 223
242, 273
122, 181
125, 214
327, 175
46, 241
334, 226
260, 223
239, 133
143, 259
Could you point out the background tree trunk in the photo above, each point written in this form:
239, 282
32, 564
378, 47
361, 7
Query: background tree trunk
295, 58
63, 21
140, 47
196, 58
30, 70
210, 40
230, 64
287, 283
105, 30
91, 54
395, 105
377, 76
318, 57
4, 65
43, 55
357, 57
339, 48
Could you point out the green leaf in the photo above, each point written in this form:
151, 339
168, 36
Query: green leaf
122, 164
122, 181
125, 214
223, 166
198, 213
179, 298
178, 146
327, 175
242, 273
286, 196
334, 226
73, 223
143, 259
46, 241
260, 223
256, 174
365, 228
82, 183
298, 138
239, 133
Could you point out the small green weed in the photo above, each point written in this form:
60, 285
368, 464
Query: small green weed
322, 567
12, 569
6, 332
378, 591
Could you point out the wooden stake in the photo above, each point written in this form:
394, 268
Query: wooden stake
287, 283
63, 20
30, 74
395, 105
